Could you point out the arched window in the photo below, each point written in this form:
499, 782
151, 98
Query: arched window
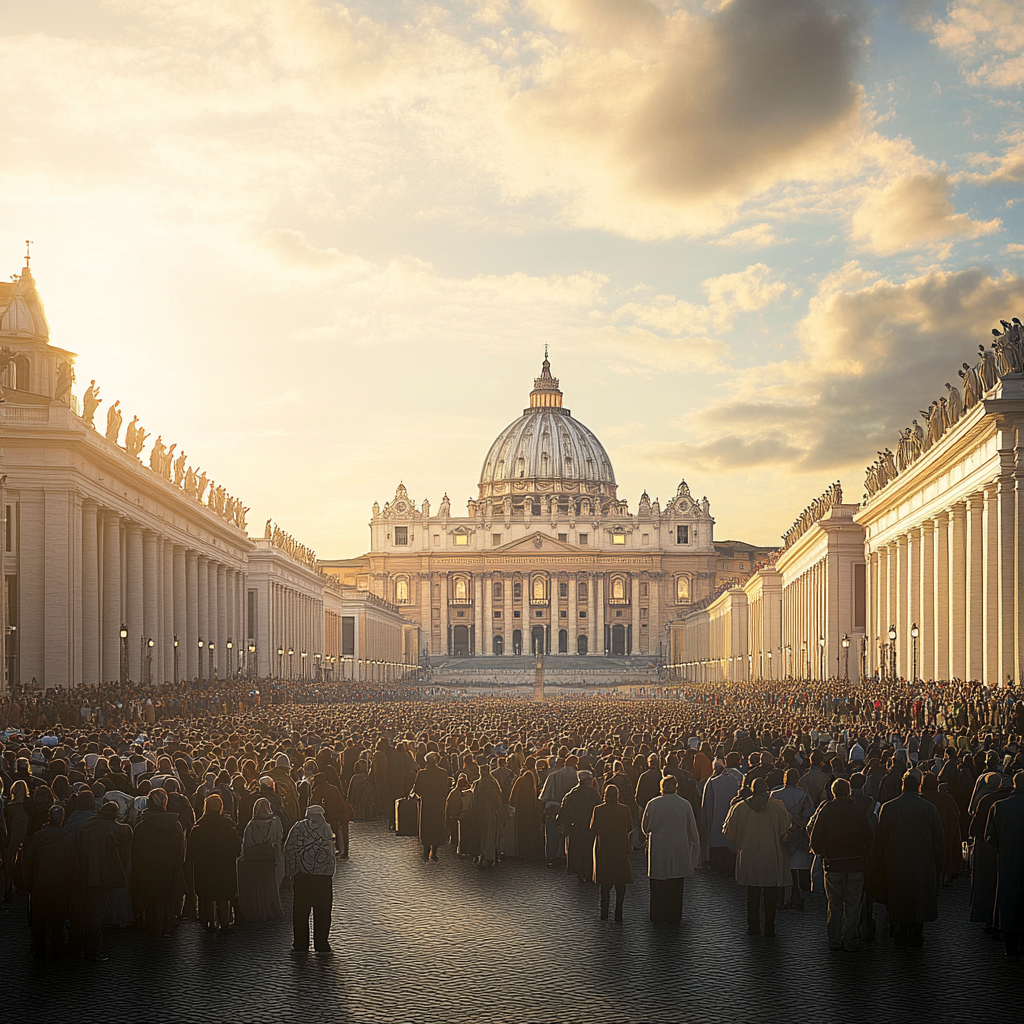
581, 591
461, 594
618, 589
538, 588
682, 589
402, 591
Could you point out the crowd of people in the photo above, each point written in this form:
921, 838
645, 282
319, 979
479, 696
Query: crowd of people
144, 808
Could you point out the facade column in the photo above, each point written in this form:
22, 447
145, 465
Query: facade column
926, 644
913, 598
990, 597
166, 650
213, 618
90, 596
135, 601
974, 623
593, 646
150, 606
573, 615
958, 591
484, 640
445, 647
426, 616
179, 627
634, 614
506, 612
1007, 576
111, 635
940, 638
221, 660
203, 620
188, 662
478, 613
655, 633
599, 614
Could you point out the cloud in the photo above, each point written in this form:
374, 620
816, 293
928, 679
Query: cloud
754, 237
874, 352
1008, 169
914, 209
987, 37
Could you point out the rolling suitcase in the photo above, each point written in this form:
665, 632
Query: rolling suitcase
407, 816
509, 845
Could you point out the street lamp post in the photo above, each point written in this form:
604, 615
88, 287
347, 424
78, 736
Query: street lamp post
805, 665
175, 659
914, 634
251, 664
149, 661
124, 655
302, 663
291, 662
211, 646
821, 657
769, 653
892, 651
200, 659
846, 656
280, 662
230, 647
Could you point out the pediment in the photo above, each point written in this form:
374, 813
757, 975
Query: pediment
539, 543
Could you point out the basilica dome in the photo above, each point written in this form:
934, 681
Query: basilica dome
546, 451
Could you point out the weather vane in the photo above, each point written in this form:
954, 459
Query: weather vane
28, 251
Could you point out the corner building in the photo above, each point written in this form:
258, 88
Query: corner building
547, 555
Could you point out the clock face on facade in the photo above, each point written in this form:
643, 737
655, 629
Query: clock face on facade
400, 506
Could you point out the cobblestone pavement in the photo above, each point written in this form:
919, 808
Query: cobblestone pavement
520, 942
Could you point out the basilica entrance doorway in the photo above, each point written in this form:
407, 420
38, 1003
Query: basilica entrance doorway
618, 639
537, 639
499, 645
517, 641
581, 645
460, 642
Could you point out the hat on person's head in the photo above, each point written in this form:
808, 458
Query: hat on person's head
584, 776
282, 761
314, 811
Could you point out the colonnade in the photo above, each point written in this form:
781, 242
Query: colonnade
952, 576
158, 591
296, 625
805, 625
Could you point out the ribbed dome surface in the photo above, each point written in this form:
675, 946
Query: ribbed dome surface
547, 444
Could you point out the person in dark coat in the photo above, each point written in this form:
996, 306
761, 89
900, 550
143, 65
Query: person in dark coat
179, 804
212, 850
574, 820
104, 848
337, 810
158, 856
949, 813
431, 786
529, 827
992, 787
1005, 832
910, 852
648, 786
611, 825
51, 874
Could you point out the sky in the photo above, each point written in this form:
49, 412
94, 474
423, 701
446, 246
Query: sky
322, 246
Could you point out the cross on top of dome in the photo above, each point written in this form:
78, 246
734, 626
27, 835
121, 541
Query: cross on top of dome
545, 391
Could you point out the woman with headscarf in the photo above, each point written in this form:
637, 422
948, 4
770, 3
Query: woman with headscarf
490, 817
528, 818
261, 865
360, 792
611, 825
378, 775
991, 787
212, 852
756, 824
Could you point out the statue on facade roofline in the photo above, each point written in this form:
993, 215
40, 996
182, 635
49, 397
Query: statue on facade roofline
90, 400
65, 378
446, 506
179, 470
156, 455
266, 531
113, 422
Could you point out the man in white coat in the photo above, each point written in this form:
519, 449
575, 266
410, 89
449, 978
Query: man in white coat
673, 851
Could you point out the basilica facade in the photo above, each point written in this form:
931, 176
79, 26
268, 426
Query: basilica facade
547, 557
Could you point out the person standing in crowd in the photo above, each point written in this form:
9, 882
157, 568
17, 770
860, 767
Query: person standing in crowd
104, 854
337, 810
719, 792
949, 814
756, 824
611, 825
842, 837
523, 798
798, 805
909, 854
574, 820
673, 851
490, 817
309, 860
431, 786
157, 858
51, 874
360, 792
261, 865
16, 816
1005, 832
557, 783
212, 855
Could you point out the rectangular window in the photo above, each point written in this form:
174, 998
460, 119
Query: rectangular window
643, 589
460, 615
495, 540
618, 615
645, 538
583, 615
539, 614
618, 538
584, 539
563, 614
497, 615
643, 613
563, 589
402, 535
7, 531
517, 590
348, 634
437, 540
682, 535
516, 615
461, 539
563, 536
496, 590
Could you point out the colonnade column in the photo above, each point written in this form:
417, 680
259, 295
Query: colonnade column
882, 610
654, 630
990, 597
111, 638
599, 615
1007, 576
940, 638
90, 596
913, 613
958, 591
634, 614
485, 643
221, 660
203, 614
443, 580
593, 647
192, 621
426, 615
506, 613
478, 613
135, 601
573, 615
151, 605
167, 639
212, 618
180, 627
926, 646
975, 587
